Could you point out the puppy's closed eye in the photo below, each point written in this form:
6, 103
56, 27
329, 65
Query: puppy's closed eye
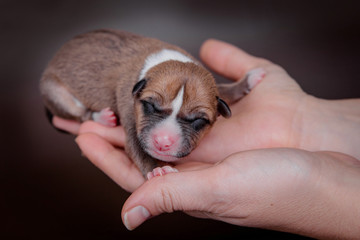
150, 108
197, 123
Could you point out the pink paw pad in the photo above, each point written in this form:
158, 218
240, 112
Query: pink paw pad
160, 171
255, 76
105, 117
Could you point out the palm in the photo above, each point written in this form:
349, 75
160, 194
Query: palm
263, 119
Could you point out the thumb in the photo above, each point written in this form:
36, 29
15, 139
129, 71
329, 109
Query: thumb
183, 191
229, 60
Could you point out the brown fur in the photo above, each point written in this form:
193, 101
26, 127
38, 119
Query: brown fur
100, 69
199, 94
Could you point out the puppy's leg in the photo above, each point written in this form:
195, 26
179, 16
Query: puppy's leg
235, 91
60, 102
105, 117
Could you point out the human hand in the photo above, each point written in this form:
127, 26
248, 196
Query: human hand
308, 193
265, 118
103, 146
276, 113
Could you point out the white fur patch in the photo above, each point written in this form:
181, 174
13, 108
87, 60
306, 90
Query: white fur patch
171, 128
177, 102
78, 103
170, 122
160, 57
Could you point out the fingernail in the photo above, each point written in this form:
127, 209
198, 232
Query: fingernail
135, 217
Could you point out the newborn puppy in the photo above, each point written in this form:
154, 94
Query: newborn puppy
162, 96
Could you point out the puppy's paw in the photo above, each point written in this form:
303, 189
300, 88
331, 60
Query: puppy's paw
254, 77
160, 171
105, 117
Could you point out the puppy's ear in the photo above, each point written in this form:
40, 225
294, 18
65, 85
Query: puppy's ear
139, 86
222, 108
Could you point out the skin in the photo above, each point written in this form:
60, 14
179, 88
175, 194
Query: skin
285, 163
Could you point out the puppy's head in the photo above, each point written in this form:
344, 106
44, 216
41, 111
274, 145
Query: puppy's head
175, 105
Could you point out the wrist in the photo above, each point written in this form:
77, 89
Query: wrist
329, 125
323, 203
337, 212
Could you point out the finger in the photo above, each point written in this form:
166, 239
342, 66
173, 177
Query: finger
113, 162
70, 126
187, 165
228, 60
114, 135
183, 191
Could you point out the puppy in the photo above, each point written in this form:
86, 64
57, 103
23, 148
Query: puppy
162, 96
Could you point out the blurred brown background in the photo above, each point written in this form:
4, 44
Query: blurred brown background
48, 191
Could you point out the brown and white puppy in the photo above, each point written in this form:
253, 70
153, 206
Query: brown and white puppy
164, 98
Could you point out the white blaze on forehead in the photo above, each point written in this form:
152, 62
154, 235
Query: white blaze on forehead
177, 102
170, 129
160, 57
170, 124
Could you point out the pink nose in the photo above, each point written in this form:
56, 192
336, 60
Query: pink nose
163, 142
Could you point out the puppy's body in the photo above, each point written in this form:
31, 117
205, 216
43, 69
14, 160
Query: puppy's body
165, 100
